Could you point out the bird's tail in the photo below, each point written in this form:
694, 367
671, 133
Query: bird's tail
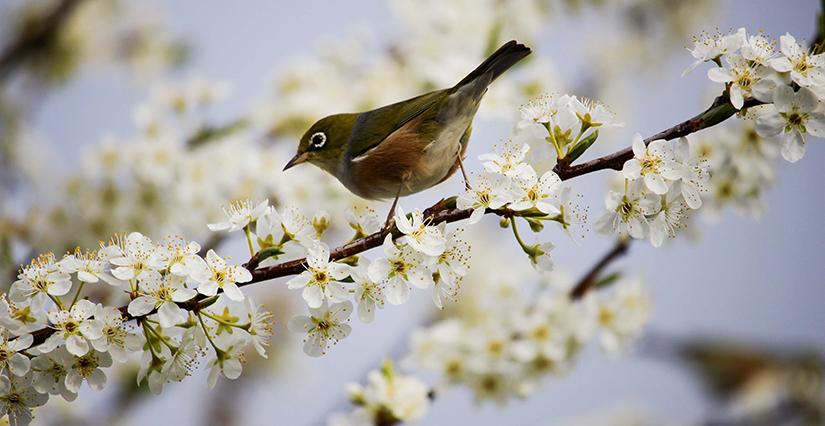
501, 60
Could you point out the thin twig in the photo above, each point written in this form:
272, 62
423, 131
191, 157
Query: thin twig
589, 280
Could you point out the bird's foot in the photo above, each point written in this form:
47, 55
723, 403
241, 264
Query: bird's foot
467, 186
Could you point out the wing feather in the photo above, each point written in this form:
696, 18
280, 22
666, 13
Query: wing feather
374, 126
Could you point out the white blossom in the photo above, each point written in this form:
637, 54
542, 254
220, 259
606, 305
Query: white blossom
183, 361
215, 273
321, 280
74, 328
239, 215
87, 367
363, 221
175, 255
654, 163
805, 69
741, 75
593, 114
404, 397
11, 357
669, 217
695, 174
509, 162
17, 398
622, 315
490, 191
227, 363
626, 211
537, 192
50, 372
40, 280
369, 295
89, 267
540, 256
710, 47
161, 293
572, 217
22, 318
401, 267
418, 234
260, 326
115, 338
793, 115
325, 325
130, 255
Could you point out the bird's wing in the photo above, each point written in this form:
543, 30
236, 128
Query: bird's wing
372, 127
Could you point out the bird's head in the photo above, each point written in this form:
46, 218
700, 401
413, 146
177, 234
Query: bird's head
325, 143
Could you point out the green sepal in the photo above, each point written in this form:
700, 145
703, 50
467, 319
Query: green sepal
578, 149
268, 252
535, 224
351, 261
531, 212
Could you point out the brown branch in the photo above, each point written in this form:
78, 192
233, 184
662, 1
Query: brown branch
589, 280
444, 211
34, 39
719, 111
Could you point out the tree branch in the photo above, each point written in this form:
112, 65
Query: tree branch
719, 111
444, 211
39, 36
589, 280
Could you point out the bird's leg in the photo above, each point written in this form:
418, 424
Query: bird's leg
391, 214
464, 173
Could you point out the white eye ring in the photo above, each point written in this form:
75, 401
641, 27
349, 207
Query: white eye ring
318, 139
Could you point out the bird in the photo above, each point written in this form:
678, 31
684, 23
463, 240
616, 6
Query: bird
408, 146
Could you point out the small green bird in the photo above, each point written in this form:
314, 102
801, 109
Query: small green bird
406, 147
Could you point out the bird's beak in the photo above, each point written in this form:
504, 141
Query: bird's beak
297, 159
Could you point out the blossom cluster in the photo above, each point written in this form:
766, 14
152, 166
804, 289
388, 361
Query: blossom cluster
791, 82
388, 398
662, 183
569, 124
53, 337
424, 257
742, 166
518, 340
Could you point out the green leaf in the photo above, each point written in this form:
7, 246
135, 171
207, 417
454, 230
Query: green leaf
578, 149
608, 280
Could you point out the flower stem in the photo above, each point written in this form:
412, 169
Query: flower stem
524, 246
77, 295
219, 320
206, 332
249, 240
57, 302
162, 339
553, 141
148, 340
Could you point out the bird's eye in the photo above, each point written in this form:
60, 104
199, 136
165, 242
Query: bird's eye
318, 139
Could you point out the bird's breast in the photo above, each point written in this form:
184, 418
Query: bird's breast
411, 160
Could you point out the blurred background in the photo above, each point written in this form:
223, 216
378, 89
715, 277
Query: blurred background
119, 116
